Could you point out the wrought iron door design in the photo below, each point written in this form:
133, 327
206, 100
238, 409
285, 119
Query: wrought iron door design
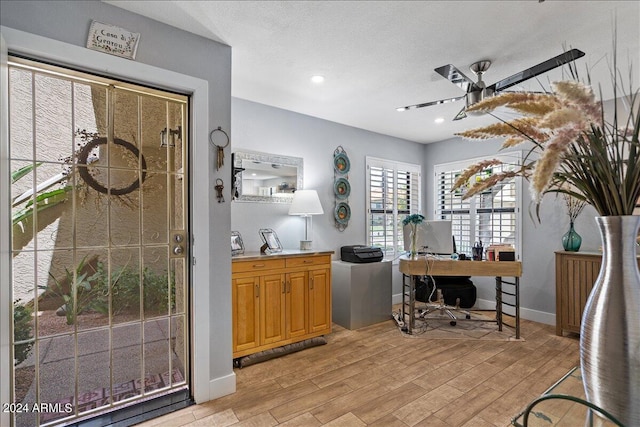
99, 243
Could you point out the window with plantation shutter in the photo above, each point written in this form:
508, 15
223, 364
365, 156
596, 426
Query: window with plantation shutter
393, 192
491, 217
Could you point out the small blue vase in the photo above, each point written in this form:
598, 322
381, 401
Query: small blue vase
571, 241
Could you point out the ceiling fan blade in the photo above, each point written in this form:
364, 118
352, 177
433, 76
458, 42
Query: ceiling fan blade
456, 77
427, 104
543, 67
461, 115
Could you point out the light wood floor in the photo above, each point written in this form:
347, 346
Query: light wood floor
376, 377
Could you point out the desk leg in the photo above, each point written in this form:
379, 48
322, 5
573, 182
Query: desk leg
412, 303
499, 302
408, 301
405, 284
517, 308
516, 305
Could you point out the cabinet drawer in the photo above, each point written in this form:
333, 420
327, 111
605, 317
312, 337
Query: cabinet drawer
310, 260
256, 265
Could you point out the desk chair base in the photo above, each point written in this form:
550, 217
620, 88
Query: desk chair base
444, 309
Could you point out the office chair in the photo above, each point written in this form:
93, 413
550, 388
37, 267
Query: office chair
439, 305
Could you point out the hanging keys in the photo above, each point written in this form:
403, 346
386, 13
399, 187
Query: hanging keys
220, 157
220, 148
219, 187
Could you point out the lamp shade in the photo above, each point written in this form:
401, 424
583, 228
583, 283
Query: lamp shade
305, 203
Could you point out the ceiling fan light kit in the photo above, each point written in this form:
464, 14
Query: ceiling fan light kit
478, 90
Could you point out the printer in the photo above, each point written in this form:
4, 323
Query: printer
360, 254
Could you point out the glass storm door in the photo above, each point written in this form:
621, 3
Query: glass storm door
99, 244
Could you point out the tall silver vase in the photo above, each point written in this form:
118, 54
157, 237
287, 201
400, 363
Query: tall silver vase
610, 331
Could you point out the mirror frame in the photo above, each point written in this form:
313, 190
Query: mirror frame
255, 156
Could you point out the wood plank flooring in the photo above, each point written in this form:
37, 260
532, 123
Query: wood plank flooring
376, 377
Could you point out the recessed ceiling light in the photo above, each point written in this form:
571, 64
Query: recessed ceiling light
439, 120
317, 79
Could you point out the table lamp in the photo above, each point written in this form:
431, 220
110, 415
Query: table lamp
306, 203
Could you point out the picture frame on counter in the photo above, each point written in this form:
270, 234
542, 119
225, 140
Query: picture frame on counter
237, 246
270, 241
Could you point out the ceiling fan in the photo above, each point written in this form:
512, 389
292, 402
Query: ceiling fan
477, 91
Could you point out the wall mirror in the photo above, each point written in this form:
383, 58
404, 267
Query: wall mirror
262, 177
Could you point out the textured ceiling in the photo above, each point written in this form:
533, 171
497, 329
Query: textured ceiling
379, 55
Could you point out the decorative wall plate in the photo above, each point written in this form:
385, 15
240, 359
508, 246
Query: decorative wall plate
341, 163
342, 213
341, 188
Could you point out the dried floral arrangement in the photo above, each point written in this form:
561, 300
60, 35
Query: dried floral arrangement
573, 149
574, 206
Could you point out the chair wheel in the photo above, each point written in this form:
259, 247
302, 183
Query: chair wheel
468, 316
452, 323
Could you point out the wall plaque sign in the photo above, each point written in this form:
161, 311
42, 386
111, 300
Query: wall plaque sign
113, 40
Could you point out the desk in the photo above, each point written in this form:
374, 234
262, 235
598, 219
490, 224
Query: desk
563, 404
422, 266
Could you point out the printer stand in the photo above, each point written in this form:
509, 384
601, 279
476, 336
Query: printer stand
361, 293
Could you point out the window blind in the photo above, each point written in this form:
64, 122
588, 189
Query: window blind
393, 192
491, 217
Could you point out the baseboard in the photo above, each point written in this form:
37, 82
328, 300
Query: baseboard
222, 386
482, 304
396, 299
525, 313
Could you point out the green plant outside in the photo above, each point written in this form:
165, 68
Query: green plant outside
16, 175
42, 201
22, 331
80, 295
124, 289
93, 290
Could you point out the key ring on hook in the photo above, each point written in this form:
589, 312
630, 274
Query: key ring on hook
211, 138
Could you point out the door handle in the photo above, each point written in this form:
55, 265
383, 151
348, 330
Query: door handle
257, 291
311, 282
178, 239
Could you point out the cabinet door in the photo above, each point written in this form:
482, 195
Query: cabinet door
245, 306
575, 277
320, 300
297, 304
272, 308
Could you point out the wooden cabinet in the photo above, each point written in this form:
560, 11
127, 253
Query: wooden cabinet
279, 299
576, 272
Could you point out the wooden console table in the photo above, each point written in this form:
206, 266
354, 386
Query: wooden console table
576, 272
279, 299
427, 266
